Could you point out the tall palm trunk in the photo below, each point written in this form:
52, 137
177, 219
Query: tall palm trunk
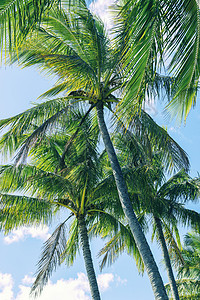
88, 259
166, 258
143, 247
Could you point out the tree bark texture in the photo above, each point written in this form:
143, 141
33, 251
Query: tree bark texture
143, 247
164, 249
88, 260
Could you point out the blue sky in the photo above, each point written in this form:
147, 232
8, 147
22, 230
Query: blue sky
20, 251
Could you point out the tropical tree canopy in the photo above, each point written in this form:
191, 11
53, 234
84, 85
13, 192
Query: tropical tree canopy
152, 194
148, 35
40, 194
188, 270
156, 200
90, 67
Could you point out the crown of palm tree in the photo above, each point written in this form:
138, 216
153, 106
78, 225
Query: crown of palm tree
76, 188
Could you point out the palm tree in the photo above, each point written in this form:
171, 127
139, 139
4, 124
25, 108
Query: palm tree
163, 202
147, 33
152, 195
76, 188
178, 188
88, 66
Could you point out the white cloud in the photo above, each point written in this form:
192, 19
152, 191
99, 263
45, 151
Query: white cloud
104, 281
101, 8
6, 286
39, 232
28, 280
73, 288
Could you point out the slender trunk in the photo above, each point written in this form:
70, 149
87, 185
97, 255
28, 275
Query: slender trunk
88, 260
143, 247
162, 242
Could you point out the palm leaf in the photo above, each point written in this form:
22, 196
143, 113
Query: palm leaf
141, 40
38, 134
18, 18
72, 244
173, 247
119, 243
183, 22
144, 126
16, 211
27, 178
188, 289
72, 47
50, 258
74, 136
180, 187
19, 126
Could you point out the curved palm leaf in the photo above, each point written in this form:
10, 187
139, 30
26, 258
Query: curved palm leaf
50, 258
39, 118
183, 22
18, 17
141, 40
72, 244
16, 211
30, 179
181, 187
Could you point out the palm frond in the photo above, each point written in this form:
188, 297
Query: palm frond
142, 42
47, 156
190, 268
16, 211
119, 243
19, 17
27, 178
183, 23
17, 127
174, 247
73, 47
74, 136
72, 244
181, 187
50, 258
37, 135
173, 155
188, 289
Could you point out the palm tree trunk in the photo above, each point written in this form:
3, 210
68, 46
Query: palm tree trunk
143, 247
88, 259
166, 258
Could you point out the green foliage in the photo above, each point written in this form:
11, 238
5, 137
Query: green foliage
48, 187
152, 137
18, 211
151, 193
65, 170
151, 36
37, 120
50, 258
188, 271
183, 21
19, 17
64, 38
140, 37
